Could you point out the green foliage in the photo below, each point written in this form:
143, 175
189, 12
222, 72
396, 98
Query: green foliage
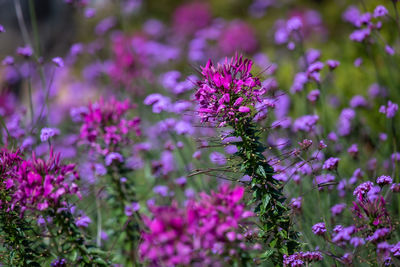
276, 227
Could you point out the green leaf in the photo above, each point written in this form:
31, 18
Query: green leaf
268, 253
273, 243
261, 171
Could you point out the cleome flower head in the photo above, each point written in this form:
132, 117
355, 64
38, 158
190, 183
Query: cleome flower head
227, 92
37, 184
203, 229
105, 121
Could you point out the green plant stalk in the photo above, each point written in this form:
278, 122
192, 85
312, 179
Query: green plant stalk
277, 228
74, 246
32, 14
18, 238
133, 225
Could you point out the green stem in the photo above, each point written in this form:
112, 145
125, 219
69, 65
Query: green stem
277, 230
32, 14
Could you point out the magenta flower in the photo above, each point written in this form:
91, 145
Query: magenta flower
238, 36
203, 229
38, 184
190, 17
105, 123
227, 91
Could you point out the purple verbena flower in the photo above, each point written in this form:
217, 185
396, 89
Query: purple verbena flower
47, 133
380, 11
319, 228
384, 180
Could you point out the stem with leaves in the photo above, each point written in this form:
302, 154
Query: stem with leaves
277, 229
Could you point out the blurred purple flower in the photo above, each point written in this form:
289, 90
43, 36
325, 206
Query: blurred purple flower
217, 158
47, 133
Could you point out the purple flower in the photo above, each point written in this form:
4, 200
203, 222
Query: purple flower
8, 61
357, 241
390, 110
113, 156
2, 29
300, 80
360, 35
130, 209
332, 64
47, 133
331, 164
352, 15
106, 24
358, 101
313, 95
181, 180
379, 234
296, 203
395, 188
218, 158
353, 150
162, 190
59, 263
380, 11
319, 228
338, 209
305, 123
294, 24
343, 234
83, 221
363, 189
159, 102
25, 51
322, 180
389, 50
237, 36
384, 180
183, 127
357, 62
191, 17
396, 249
90, 13
344, 121
58, 61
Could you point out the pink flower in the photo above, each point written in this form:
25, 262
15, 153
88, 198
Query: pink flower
226, 84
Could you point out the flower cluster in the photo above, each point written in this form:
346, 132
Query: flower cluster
302, 258
210, 226
38, 184
105, 124
228, 91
